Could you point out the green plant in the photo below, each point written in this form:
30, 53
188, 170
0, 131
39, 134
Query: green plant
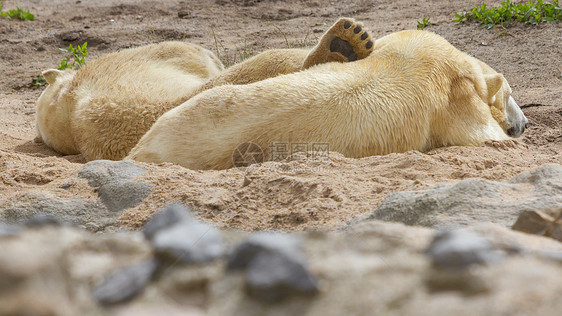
531, 12
39, 81
76, 55
16, 13
245, 52
423, 23
305, 42
228, 59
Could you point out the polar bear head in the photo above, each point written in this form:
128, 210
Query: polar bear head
53, 116
496, 92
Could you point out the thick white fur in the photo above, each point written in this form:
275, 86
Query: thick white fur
103, 109
414, 92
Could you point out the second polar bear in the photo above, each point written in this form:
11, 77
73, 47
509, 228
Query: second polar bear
102, 110
415, 91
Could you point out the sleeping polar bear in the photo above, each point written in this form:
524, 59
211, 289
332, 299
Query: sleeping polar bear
103, 109
415, 91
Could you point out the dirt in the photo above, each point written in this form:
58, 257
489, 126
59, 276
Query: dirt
304, 194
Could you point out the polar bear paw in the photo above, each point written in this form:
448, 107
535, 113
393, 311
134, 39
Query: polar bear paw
347, 40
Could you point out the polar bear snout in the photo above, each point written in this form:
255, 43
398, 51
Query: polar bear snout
516, 131
515, 119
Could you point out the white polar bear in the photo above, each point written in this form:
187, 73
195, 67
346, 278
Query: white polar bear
415, 91
102, 109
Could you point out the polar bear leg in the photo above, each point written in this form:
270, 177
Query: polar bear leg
268, 64
347, 40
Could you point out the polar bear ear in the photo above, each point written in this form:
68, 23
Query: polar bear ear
51, 75
494, 84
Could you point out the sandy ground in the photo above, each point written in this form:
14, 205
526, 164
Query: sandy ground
297, 195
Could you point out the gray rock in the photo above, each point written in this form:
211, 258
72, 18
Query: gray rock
264, 242
275, 267
122, 194
168, 216
533, 222
474, 200
124, 284
547, 222
100, 172
7, 230
459, 249
177, 236
25, 208
42, 220
189, 242
273, 276
374, 268
547, 178
117, 190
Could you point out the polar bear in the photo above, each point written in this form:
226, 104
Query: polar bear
415, 91
102, 109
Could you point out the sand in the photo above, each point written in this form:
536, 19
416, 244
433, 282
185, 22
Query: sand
303, 194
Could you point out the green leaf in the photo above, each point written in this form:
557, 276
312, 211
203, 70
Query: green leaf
532, 12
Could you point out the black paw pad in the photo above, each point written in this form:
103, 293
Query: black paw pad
364, 36
369, 44
343, 47
357, 29
347, 25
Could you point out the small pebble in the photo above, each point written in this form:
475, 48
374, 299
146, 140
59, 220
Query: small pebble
189, 242
184, 14
122, 194
246, 182
175, 236
532, 222
168, 216
126, 283
274, 276
275, 267
261, 242
458, 249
